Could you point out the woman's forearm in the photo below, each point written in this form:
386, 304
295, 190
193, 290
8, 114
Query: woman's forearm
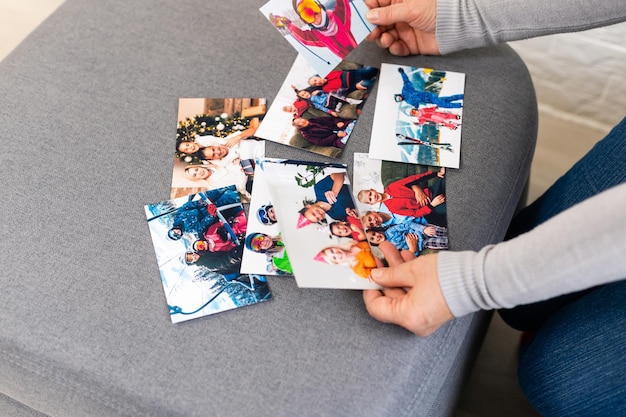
557, 257
463, 24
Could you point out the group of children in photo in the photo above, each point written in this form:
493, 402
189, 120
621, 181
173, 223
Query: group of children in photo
411, 215
272, 246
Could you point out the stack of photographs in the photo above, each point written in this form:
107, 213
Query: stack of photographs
306, 219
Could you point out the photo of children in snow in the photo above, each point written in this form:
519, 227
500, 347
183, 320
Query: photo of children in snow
403, 204
324, 32
418, 116
320, 225
318, 113
264, 249
216, 144
198, 242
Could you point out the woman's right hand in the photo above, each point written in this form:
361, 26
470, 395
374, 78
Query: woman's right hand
411, 297
404, 27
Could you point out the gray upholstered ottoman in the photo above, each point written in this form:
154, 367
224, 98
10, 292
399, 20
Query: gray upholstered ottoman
87, 118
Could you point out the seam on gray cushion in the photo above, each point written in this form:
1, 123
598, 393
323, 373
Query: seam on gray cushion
30, 366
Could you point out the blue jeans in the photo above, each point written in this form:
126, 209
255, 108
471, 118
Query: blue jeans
576, 363
580, 338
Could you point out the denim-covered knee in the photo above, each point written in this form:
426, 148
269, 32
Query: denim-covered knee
576, 363
603, 167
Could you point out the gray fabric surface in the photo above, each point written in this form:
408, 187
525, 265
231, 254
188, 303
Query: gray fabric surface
87, 122
11, 408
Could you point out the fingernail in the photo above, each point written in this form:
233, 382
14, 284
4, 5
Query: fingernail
376, 273
372, 15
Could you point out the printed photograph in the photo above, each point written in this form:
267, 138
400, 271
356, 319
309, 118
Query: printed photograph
401, 204
198, 241
216, 144
318, 113
323, 31
320, 225
418, 116
264, 251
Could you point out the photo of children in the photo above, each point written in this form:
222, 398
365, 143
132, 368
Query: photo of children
198, 241
320, 225
357, 255
403, 204
323, 31
318, 113
216, 144
264, 250
273, 247
351, 227
418, 116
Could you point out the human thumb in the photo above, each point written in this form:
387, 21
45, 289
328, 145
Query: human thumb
388, 15
392, 277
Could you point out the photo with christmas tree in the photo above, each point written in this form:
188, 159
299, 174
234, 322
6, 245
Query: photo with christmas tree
216, 144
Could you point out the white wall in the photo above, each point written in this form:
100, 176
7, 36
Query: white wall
580, 76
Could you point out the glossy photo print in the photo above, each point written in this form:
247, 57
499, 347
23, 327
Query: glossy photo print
264, 251
324, 32
401, 204
418, 116
216, 144
318, 113
198, 241
320, 225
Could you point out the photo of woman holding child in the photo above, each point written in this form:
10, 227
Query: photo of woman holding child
216, 144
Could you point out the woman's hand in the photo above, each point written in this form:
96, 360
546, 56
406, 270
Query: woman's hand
405, 27
412, 297
233, 141
244, 134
